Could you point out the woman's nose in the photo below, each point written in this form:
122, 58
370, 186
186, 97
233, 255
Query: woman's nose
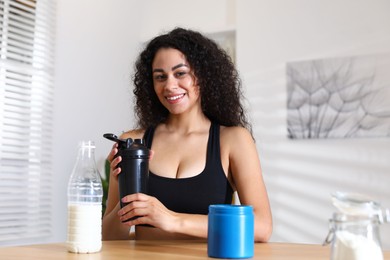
171, 82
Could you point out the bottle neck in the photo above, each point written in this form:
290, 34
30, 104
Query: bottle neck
87, 148
85, 182
87, 153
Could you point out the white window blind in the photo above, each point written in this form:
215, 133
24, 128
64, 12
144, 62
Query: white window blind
26, 104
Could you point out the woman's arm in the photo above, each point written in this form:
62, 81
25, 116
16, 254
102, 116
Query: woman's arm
238, 146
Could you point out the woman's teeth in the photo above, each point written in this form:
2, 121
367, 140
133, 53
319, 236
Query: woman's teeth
175, 97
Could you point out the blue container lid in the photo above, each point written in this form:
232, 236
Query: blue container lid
230, 209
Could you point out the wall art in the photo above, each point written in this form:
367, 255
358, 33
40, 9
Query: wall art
345, 97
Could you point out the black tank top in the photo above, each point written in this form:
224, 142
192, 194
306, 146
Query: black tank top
194, 194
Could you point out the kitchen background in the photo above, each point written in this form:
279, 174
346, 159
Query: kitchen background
98, 41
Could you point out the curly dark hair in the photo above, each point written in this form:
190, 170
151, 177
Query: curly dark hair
220, 85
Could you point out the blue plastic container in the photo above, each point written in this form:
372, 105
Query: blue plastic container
230, 231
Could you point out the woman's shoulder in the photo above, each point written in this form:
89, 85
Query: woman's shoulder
133, 134
234, 133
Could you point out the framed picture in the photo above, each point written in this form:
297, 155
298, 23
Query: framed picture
339, 97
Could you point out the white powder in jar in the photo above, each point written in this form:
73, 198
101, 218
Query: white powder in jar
349, 246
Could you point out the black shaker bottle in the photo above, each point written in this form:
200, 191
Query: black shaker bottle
134, 165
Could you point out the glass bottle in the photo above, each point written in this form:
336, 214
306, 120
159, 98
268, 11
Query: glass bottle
85, 194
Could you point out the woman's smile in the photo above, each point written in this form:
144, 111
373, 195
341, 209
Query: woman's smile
175, 98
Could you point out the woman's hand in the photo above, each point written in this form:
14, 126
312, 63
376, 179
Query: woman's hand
114, 161
149, 210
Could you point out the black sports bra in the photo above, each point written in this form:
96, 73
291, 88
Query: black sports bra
193, 194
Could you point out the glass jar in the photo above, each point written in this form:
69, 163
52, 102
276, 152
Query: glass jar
354, 237
354, 229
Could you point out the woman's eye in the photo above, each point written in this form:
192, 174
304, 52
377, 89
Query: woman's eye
180, 73
159, 77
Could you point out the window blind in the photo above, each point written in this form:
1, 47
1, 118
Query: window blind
26, 104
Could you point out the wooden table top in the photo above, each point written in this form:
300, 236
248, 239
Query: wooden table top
164, 250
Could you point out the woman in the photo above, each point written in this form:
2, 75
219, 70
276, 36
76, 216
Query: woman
188, 104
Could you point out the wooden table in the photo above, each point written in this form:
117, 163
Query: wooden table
164, 250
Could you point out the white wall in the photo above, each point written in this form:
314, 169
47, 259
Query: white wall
301, 175
97, 42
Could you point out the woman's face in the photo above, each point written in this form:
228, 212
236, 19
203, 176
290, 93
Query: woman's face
174, 81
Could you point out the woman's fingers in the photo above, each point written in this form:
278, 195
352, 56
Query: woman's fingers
136, 197
115, 170
151, 154
137, 205
113, 152
135, 212
147, 209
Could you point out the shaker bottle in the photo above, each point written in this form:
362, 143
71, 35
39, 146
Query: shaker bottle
134, 165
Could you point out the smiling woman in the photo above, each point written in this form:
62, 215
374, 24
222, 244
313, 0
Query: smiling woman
190, 113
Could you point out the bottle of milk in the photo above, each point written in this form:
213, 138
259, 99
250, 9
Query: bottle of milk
85, 194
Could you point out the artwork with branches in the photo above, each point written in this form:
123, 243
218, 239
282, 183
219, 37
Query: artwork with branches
339, 97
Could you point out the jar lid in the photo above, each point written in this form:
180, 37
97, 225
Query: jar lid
359, 204
230, 209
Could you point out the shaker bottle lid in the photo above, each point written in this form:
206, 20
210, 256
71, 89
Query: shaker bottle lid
131, 147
